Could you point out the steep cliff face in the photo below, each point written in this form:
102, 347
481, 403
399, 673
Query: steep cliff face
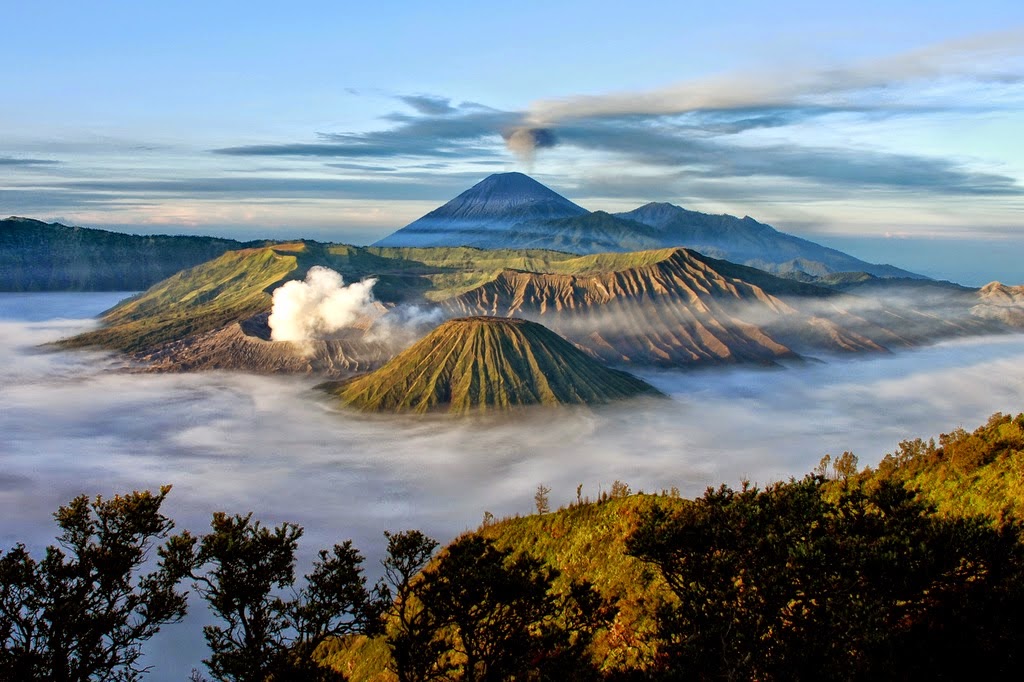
1002, 303
678, 308
482, 364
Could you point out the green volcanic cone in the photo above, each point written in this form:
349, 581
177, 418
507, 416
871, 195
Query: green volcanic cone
479, 364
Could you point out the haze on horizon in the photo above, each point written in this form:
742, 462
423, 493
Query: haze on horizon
891, 134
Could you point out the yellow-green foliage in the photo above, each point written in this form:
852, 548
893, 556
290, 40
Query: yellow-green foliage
978, 473
587, 542
481, 363
228, 288
359, 658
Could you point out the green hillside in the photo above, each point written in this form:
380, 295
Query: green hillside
966, 473
237, 285
483, 363
37, 256
887, 573
229, 288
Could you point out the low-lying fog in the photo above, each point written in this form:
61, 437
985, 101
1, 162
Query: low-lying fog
272, 445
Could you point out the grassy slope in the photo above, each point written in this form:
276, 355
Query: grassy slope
966, 473
584, 541
474, 364
208, 296
238, 284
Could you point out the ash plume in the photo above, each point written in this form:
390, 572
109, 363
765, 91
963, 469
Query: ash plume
525, 141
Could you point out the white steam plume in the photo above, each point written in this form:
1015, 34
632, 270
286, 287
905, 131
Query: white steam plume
319, 306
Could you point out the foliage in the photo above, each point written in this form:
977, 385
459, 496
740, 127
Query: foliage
411, 646
586, 542
84, 610
965, 473
792, 583
264, 634
486, 614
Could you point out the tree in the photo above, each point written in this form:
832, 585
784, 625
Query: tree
84, 610
485, 614
248, 567
814, 579
540, 499
412, 640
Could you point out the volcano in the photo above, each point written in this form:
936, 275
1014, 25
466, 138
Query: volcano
514, 211
481, 364
480, 214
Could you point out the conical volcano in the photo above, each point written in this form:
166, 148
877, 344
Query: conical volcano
480, 364
496, 203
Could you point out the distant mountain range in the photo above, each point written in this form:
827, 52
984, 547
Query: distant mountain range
38, 256
668, 307
514, 211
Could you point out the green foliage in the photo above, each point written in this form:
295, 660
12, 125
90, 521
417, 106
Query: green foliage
84, 610
586, 542
976, 473
786, 583
263, 634
410, 642
486, 614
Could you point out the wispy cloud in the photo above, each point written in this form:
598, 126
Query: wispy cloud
472, 132
430, 105
977, 57
12, 161
696, 127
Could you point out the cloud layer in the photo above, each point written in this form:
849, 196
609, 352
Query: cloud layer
273, 445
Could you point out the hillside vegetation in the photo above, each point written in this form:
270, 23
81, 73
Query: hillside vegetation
886, 573
37, 256
911, 570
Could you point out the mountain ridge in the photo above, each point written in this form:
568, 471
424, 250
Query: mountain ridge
39, 256
497, 202
501, 211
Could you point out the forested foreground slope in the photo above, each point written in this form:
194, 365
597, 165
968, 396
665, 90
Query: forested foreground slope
911, 570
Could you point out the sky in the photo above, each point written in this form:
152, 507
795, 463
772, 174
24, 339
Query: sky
890, 130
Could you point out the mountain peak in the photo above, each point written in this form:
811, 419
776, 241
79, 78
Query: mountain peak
478, 364
496, 203
501, 192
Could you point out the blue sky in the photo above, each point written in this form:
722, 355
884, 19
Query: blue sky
891, 130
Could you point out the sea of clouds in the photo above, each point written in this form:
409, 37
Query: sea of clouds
75, 422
